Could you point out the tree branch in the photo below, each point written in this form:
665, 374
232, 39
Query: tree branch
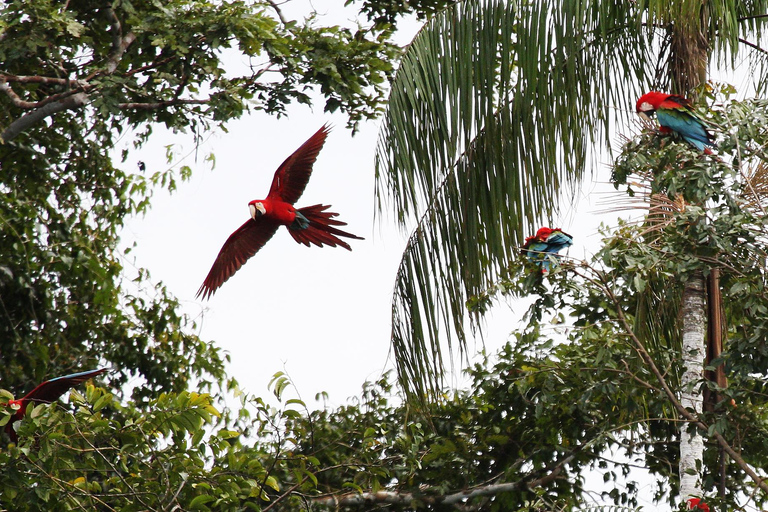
15, 99
119, 43
685, 413
37, 80
398, 498
161, 104
753, 45
71, 102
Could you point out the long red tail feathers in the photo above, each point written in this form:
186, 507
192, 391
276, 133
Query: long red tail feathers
321, 230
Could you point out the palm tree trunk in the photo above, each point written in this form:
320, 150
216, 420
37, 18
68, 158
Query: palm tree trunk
694, 318
688, 68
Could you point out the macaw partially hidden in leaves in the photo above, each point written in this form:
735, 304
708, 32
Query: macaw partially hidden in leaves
308, 225
46, 393
545, 243
675, 114
697, 504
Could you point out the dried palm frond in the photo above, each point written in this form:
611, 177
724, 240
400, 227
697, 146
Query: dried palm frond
755, 195
662, 210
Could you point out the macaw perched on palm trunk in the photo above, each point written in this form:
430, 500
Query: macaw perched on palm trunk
545, 243
45, 393
675, 114
308, 225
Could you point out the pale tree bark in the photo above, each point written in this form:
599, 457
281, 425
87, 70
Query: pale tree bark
694, 318
688, 68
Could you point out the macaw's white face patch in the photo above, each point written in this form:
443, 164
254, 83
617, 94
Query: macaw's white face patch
257, 209
646, 107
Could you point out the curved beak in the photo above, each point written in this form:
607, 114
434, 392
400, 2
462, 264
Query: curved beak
257, 210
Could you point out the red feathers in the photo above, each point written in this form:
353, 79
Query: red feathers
655, 100
696, 504
676, 114
309, 225
47, 392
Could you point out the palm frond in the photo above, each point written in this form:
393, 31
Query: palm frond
489, 120
493, 115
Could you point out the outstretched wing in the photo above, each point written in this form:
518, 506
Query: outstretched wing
239, 247
51, 390
293, 175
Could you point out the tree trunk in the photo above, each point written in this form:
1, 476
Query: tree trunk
694, 318
688, 68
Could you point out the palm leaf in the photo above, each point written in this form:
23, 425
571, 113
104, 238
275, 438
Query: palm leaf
492, 116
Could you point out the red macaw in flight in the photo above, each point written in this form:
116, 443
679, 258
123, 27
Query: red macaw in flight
46, 392
546, 241
308, 225
675, 114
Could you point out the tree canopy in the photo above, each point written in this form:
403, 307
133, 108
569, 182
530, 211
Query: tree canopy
590, 392
75, 77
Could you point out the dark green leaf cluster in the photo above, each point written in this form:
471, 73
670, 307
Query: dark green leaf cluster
539, 407
537, 410
385, 13
109, 456
145, 61
707, 212
78, 76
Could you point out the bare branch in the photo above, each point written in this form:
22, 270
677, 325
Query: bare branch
15, 99
119, 42
397, 498
753, 45
37, 80
161, 104
150, 66
70, 102
278, 11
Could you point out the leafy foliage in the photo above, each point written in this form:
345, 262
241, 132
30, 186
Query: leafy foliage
76, 77
481, 72
536, 418
712, 218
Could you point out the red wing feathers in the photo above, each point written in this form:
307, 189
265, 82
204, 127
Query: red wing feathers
293, 174
675, 102
239, 247
321, 230
51, 390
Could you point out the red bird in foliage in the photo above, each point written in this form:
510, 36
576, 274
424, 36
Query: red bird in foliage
675, 114
546, 242
308, 225
46, 392
697, 504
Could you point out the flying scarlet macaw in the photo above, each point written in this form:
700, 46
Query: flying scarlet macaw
308, 225
546, 242
46, 392
675, 114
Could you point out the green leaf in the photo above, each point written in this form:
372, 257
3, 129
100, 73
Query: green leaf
199, 502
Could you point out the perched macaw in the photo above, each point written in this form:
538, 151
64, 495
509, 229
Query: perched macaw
546, 241
697, 504
675, 114
308, 225
46, 392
